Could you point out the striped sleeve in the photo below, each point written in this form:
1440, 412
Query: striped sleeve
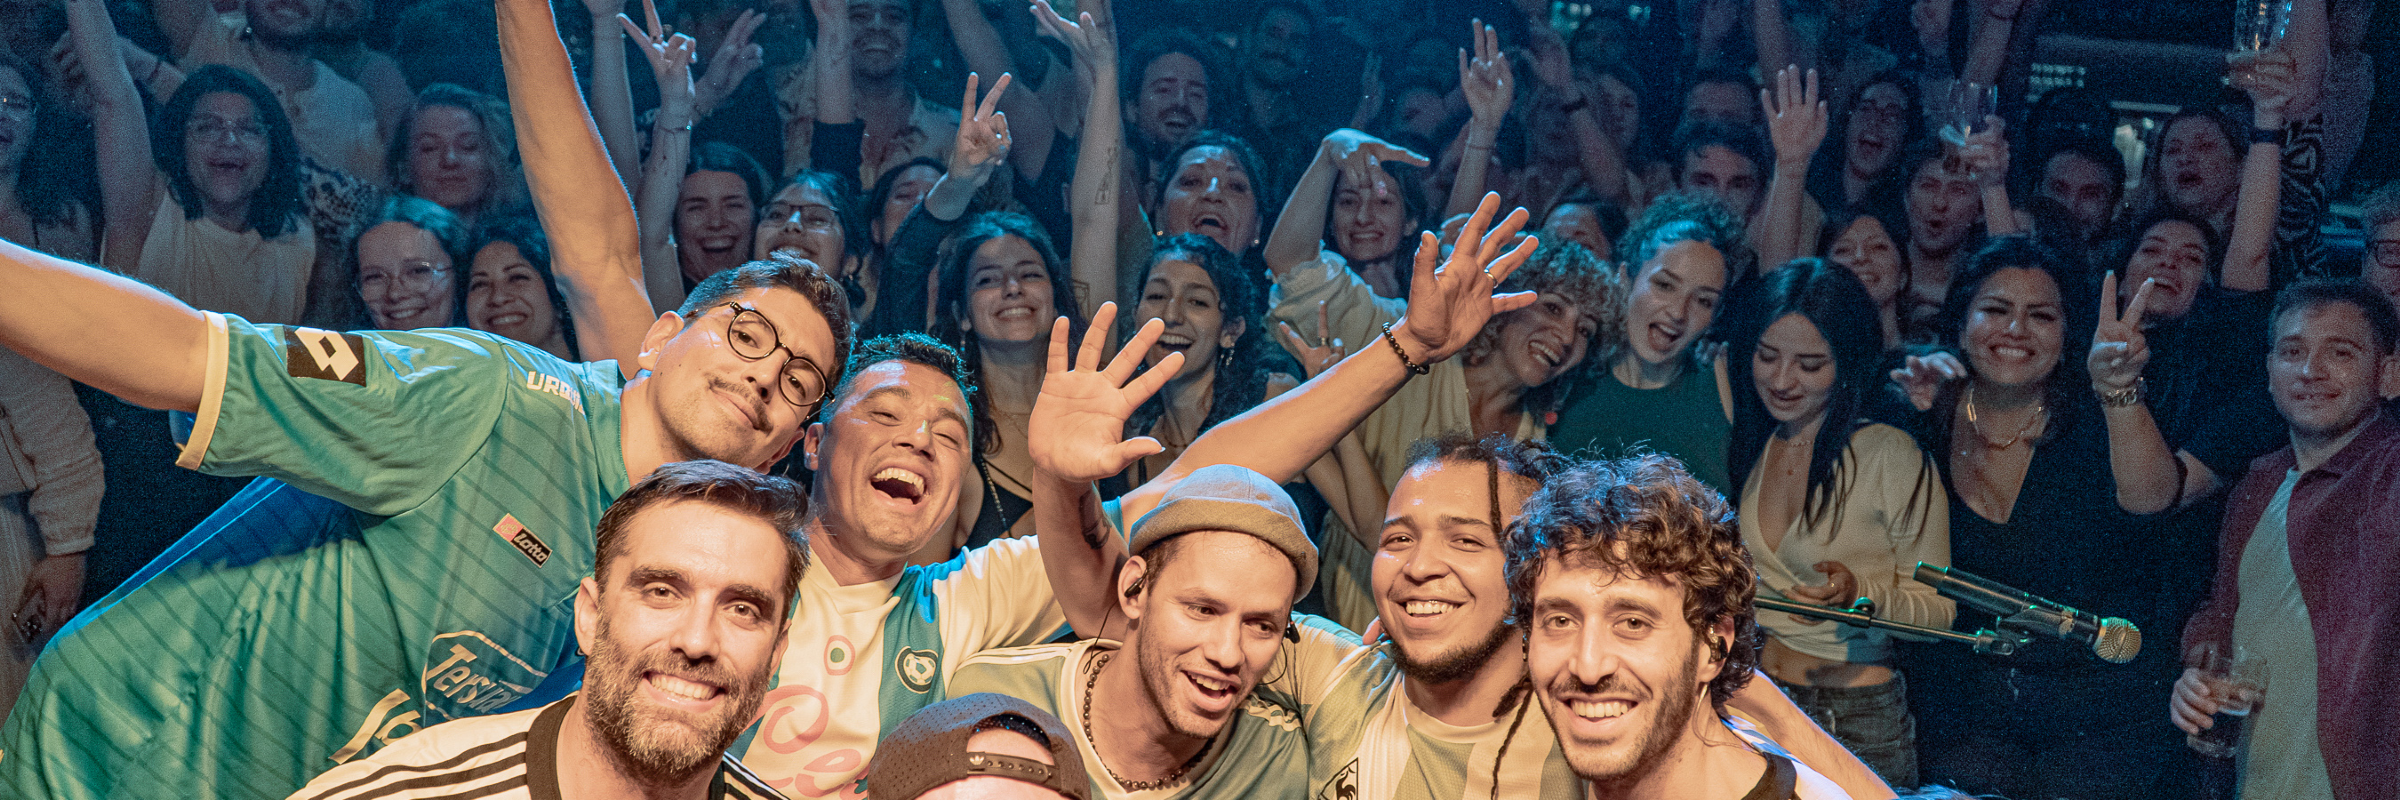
484, 757
737, 782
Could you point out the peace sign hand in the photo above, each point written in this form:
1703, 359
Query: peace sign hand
670, 56
2119, 350
982, 132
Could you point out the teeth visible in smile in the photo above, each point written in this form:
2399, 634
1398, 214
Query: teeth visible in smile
1600, 710
1212, 685
2011, 352
680, 688
1014, 313
901, 475
1548, 354
1427, 608
1174, 340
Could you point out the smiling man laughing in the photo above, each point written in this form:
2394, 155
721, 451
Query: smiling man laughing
683, 618
1637, 596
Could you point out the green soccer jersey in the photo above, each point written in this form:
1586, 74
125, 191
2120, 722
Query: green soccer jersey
1262, 753
413, 560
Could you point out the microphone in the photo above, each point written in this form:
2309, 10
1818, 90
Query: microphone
2114, 640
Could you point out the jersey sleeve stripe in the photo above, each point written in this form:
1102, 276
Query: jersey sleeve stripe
212, 394
411, 786
740, 779
394, 770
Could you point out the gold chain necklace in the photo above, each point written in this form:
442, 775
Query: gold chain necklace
1171, 779
2039, 411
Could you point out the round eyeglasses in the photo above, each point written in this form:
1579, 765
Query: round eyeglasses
752, 337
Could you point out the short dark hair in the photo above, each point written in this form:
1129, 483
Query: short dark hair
1532, 460
1682, 217
784, 271
906, 348
766, 498
2213, 244
2315, 292
721, 157
1669, 525
276, 207
1157, 44
1742, 140
841, 194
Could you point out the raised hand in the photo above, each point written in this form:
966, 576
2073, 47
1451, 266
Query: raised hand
1796, 119
2119, 350
1985, 155
1449, 301
1485, 78
1074, 433
1091, 36
1327, 351
1552, 64
1360, 158
670, 56
2266, 76
734, 60
982, 132
1922, 377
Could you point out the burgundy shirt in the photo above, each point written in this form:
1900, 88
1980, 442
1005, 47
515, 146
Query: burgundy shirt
2344, 528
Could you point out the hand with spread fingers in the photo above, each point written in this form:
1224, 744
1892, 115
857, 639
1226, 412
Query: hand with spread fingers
1076, 431
1091, 36
2119, 350
1450, 300
1796, 120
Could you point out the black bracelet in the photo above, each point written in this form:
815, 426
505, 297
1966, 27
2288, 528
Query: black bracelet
1580, 104
1414, 368
2266, 136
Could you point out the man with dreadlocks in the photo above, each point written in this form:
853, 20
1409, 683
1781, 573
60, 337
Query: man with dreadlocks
1436, 708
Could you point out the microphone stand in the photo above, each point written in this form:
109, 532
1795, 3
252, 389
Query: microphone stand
1862, 614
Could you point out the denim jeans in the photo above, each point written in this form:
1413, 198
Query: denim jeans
1872, 721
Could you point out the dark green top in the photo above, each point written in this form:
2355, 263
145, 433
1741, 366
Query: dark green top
1684, 419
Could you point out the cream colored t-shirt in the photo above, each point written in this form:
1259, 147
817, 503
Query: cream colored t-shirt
244, 274
1886, 513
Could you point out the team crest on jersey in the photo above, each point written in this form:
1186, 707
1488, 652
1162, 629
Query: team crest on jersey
518, 536
325, 355
1343, 785
917, 668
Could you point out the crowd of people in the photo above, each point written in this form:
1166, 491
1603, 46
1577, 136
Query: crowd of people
1421, 398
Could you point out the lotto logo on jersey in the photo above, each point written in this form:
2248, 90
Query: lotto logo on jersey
325, 355
518, 536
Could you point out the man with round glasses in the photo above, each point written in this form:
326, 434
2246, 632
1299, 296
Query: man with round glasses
414, 558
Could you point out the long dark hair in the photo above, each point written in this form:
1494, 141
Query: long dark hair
526, 234
1241, 377
2067, 383
1408, 181
275, 207
1833, 160
951, 310
1831, 298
